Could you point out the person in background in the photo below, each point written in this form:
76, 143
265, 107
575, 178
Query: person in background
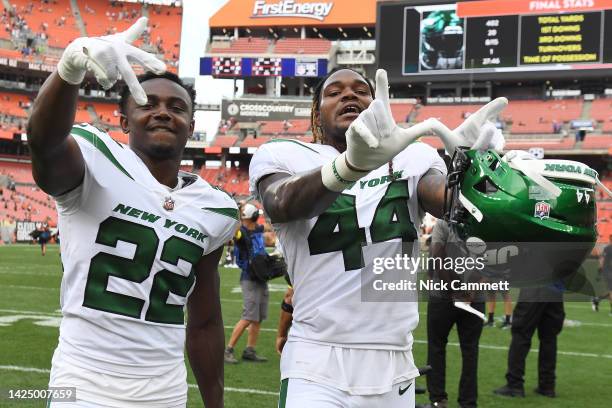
605, 268
541, 309
249, 241
491, 297
44, 236
441, 316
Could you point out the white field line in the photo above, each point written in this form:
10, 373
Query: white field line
47, 371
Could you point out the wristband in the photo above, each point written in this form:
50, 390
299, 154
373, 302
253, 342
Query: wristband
286, 307
338, 176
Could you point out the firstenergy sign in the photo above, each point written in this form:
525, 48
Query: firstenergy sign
289, 8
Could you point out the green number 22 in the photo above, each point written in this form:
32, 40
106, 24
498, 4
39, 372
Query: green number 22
137, 269
337, 229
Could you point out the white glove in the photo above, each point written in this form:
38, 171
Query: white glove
477, 132
108, 57
373, 139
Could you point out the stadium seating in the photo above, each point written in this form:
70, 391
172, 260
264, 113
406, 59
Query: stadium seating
401, 111
597, 142
225, 141
601, 109
251, 141
290, 127
119, 136
27, 202
108, 113
537, 116
14, 104
165, 23
309, 46
104, 17
19, 172
451, 115
247, 45
53, 18
547, 144
234, 181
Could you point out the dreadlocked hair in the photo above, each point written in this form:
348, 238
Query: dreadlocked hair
317, 133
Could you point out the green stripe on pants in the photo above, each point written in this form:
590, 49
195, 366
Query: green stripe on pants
282, 398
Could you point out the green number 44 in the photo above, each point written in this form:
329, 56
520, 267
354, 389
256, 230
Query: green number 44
137, 269
337, 229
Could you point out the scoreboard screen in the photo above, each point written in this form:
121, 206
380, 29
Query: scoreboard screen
494, 37
228, 66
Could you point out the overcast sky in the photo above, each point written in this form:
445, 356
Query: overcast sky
195, 33
193, 43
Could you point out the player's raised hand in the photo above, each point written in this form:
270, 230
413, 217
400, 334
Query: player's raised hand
108, 58
374, 138
478, 131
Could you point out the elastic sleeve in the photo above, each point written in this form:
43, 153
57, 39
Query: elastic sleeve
70, 202
265, 161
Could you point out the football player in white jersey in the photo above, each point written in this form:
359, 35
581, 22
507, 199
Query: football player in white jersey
339, 205
141, 240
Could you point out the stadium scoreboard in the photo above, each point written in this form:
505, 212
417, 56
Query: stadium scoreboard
496, 37
234, 67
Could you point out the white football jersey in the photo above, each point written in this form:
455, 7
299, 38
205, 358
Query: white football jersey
129, 247
326, 254
330, 260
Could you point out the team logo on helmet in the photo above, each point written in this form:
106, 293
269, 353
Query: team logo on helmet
168, 204
542, 210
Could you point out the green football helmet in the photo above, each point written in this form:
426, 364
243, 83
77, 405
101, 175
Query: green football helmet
532, 220
442, 40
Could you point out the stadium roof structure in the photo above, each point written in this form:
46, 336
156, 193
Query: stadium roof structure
292, 13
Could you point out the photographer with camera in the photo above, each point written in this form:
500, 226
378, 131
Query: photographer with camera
248, 244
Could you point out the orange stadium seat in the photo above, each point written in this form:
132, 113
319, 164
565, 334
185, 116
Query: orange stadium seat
451, 115
538, 116
277, 127
597, 142
309, 46
108, 113
119, 136
606, 126
234, 181
251, 141
401, 111
225, 141
249, 45
601, 109
165, 23
104, 17
10, 104
57, 15
547, 144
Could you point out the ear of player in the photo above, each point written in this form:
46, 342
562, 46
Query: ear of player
374, 138
108, 58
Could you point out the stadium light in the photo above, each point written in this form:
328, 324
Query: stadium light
340, 29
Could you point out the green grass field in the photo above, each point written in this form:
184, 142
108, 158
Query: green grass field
29, 316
